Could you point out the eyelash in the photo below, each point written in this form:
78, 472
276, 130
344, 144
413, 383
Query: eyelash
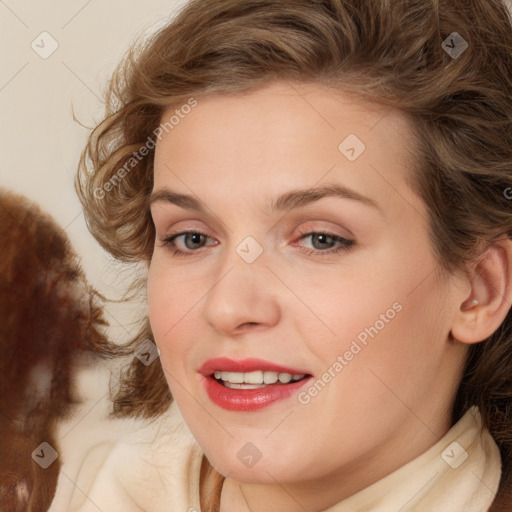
345, 244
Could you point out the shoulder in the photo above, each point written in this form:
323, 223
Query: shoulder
155, 467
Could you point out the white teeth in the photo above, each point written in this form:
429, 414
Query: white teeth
243, 386
235, 378
270, 377
251, 377
255, 379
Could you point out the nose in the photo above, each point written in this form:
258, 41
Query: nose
243, 298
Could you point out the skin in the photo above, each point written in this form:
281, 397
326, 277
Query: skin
298, 304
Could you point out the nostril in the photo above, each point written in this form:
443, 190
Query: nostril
14, 494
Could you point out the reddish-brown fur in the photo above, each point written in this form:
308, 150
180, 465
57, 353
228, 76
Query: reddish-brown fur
50, 322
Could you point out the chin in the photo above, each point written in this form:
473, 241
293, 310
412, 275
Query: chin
260, 473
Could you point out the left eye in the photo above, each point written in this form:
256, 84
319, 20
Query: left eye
326, 242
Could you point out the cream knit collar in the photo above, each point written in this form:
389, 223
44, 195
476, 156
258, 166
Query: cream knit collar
460, 473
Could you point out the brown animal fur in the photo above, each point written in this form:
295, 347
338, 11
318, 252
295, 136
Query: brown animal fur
50, 323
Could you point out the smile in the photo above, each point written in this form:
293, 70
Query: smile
250, 384
254, 380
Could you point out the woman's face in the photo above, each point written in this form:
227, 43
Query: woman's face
308, 258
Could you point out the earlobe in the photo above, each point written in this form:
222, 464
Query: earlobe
482, 312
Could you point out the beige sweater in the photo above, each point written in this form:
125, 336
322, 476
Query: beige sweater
156, 469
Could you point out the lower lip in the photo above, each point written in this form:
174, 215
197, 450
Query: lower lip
249, 399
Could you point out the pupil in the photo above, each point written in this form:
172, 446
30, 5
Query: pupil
320, 241
193, 240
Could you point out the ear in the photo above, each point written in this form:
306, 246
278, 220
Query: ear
490, 299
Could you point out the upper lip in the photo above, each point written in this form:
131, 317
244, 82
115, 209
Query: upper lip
225, 364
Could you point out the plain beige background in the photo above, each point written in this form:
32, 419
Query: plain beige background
41, 143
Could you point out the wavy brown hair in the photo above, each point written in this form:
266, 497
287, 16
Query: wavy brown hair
395, 53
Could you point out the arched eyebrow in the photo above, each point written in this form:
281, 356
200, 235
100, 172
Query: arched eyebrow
287, 201
299, 198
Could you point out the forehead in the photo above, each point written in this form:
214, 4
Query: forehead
283, 136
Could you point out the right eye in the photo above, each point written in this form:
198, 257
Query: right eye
186, 243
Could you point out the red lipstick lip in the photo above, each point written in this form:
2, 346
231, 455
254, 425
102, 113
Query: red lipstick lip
225, 364
248, 400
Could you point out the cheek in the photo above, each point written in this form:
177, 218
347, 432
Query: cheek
339, 306
158, 299
400, 352
173, 302
377, 364
390, 321
164, 308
